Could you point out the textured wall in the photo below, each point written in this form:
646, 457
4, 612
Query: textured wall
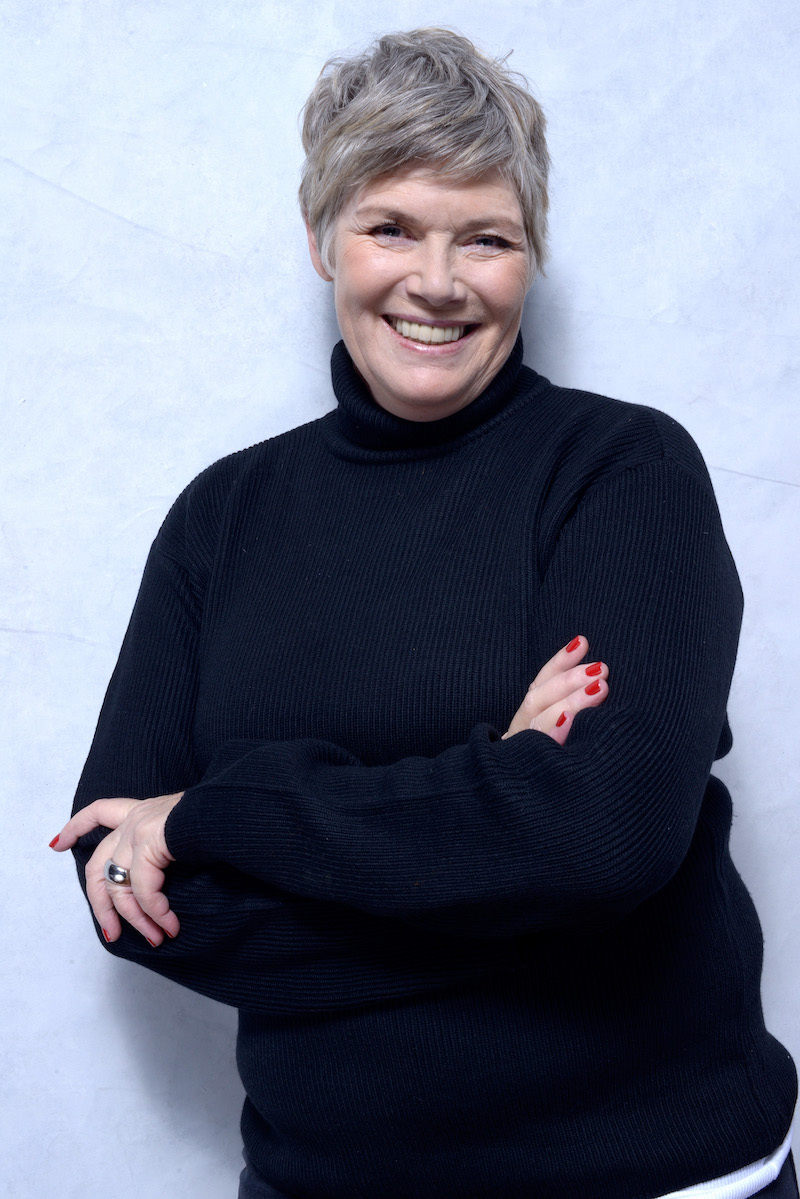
160, 311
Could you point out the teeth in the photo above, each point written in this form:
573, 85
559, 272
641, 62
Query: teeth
430, 334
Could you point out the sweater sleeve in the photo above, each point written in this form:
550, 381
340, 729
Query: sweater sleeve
242, 941
495, 838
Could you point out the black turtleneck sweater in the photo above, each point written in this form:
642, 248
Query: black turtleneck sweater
466, 967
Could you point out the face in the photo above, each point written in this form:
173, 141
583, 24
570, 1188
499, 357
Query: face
429, 274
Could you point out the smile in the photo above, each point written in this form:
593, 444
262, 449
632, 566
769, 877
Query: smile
428, 334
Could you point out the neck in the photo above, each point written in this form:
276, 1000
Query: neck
364, 423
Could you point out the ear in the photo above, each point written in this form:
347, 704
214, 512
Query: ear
313, 250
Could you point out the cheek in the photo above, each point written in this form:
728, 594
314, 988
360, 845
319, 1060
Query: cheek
358, 292
510, 297
502, 291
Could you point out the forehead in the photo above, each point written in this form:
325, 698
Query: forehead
428, 188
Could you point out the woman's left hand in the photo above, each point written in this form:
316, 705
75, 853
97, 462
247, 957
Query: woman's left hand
136, 842
561, 689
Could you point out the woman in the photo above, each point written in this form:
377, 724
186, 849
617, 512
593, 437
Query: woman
466, 965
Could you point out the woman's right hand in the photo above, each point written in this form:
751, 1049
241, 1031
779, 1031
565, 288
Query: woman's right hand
561, 689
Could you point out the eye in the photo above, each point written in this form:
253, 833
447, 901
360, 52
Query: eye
393, 232
490, 241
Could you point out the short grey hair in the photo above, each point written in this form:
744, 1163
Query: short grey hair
424, 96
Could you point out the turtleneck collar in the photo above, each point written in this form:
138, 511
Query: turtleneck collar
364, 423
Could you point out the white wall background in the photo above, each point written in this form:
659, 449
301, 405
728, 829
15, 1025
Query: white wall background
160, 312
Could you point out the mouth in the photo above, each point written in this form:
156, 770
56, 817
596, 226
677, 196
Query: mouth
429, 335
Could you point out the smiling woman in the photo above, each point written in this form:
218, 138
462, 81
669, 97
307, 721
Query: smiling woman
485, 937
430, 274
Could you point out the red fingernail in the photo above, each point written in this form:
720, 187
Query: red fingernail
562, 718
593, 688
149, 942
573, 645
55, 840
105, 934
595, 668
170, 935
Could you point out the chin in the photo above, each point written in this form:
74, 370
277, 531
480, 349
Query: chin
424, 406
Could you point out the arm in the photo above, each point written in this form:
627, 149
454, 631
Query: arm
497, 837
242, 941
561, 689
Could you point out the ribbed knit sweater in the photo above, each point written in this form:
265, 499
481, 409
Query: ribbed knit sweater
466, 967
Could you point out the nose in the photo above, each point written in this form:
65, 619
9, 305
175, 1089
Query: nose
433, 276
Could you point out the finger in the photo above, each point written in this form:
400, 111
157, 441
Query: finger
562, 663
555, 691
569, 655
130, 910
147, 882
589, 696
560, 730
97, 890
563, 685
103, 813
114, 902
109, 901
523, 716
142, 905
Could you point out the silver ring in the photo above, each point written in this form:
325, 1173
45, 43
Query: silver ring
113, 873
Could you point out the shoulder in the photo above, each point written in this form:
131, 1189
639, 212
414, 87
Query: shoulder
613, 461
594, 437
227, 474
193, 525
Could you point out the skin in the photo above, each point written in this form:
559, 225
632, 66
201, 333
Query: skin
434, 250
426, 248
